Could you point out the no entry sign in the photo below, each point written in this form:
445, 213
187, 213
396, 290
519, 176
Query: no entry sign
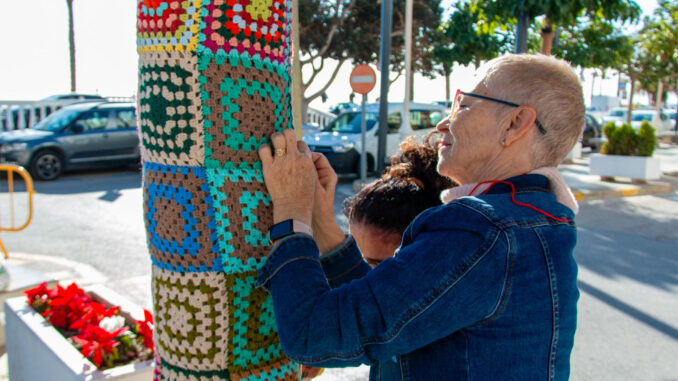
363, 79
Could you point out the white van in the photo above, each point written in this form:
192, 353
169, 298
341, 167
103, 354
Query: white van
340, 140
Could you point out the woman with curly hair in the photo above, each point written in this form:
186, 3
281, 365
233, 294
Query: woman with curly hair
379, 213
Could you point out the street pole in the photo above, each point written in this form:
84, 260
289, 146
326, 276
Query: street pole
521, 33
363, 153
384, 55
297, 96
408, 68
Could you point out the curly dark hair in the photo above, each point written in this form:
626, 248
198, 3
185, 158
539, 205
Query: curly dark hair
409, 186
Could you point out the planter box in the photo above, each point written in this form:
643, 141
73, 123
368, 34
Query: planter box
634, 167
37, 351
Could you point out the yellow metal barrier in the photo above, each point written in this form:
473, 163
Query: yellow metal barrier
11, 170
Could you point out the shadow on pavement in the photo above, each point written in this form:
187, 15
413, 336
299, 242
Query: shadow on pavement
624, 243
628, 309
111, 181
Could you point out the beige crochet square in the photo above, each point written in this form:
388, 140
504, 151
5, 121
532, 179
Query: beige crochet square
191, 319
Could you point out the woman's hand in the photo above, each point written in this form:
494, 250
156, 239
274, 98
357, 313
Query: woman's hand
326, 232
290, 177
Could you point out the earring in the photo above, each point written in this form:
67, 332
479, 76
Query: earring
503, 143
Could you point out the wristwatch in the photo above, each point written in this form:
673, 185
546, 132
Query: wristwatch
288, 227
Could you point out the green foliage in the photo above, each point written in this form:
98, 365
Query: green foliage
659, 43
625, 141
468, 37
593, 42
647, 141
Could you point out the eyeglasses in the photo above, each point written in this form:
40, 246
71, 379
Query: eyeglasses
457, 105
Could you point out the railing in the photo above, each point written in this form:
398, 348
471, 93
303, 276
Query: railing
10, 170
319, 118
16, 115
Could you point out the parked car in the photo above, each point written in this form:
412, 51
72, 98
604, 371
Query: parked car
14, 112
340, 140
339, 107
617, 114
671, 114
593, 133
662, 122
77, 136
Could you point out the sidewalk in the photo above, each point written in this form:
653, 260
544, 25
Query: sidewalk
584, 185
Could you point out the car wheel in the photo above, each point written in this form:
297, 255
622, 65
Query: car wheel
370, 165
47, 165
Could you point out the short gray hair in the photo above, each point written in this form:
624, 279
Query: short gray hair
552, 88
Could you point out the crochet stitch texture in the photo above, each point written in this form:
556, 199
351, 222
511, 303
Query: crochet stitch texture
213, 84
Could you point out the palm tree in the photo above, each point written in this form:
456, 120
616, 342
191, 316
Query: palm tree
71, 42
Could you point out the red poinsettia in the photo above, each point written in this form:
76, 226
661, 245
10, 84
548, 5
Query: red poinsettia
145, 329
98, 330
98, 342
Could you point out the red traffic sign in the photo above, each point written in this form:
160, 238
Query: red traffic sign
363, 79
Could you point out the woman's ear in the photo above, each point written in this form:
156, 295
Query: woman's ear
522, 121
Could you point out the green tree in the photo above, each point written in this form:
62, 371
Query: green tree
559, 12
349, 30
593, 42
468, 37
659, 40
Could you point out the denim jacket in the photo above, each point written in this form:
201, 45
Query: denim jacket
480, 289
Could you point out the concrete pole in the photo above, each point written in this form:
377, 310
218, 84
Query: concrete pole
210, 94
297, 96
521, 33
408, 69
384, 57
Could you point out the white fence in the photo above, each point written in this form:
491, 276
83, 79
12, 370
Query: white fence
319, 118
15, 115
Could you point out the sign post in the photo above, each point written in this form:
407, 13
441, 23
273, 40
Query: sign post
362, 82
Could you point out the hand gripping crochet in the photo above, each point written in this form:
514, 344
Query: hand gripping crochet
214, 83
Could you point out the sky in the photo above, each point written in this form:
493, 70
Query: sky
35, 62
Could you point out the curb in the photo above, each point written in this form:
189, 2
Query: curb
648, 189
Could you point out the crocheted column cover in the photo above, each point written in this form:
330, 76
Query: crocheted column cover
213, 84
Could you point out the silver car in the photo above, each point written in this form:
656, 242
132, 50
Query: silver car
78, 136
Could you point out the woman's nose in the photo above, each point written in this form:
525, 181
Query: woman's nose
443, 125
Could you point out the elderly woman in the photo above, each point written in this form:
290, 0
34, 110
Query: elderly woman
482, 287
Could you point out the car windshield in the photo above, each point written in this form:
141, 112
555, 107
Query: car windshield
617, 113
641, 117
58, 120
350, 122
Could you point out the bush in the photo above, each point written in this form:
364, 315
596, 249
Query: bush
625, 141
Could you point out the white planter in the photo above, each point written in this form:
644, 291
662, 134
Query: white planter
37, 351
634, 167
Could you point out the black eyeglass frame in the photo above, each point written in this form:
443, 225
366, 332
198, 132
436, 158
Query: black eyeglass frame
456, 105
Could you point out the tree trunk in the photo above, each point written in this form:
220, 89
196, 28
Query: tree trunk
447, 85
71, 42
630, 107
547, 34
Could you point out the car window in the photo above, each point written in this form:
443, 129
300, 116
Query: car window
393, 122
350, 122
663, 116
617, 113
94, 120
423, 119
641, 117
57, 120
125, 119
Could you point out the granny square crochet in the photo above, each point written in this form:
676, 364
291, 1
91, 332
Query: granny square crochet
191, 323
214, 84
180, 219
167, 25
170, 120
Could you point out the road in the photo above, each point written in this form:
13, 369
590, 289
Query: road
627, 254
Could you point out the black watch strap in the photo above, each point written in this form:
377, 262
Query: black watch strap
288, 227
